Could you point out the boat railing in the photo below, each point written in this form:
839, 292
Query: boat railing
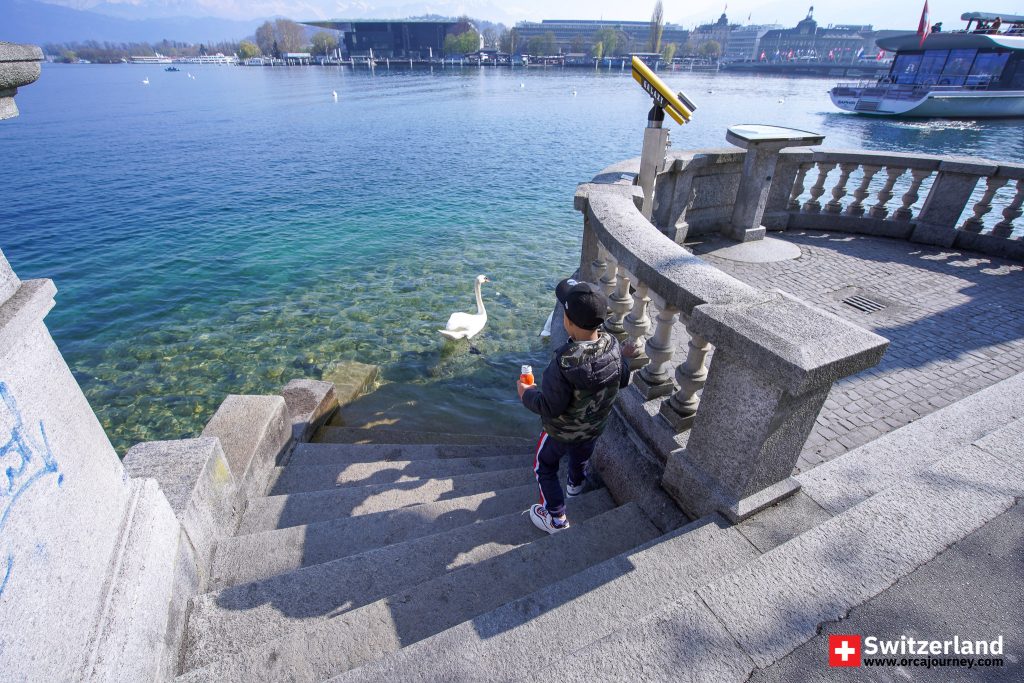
908, 91
713, 415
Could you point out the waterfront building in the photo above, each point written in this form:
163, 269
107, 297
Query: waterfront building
578, 35
408, 39
744, 42
719, 32
810, 42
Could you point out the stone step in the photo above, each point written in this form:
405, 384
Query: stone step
759, 613
384, 626
276, 512
235, 619
330, 434
618, 610
580, 609
261, 555
339, 453
298, 478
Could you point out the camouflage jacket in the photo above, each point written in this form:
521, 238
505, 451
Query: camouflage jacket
578, 389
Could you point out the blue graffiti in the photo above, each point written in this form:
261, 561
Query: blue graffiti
33, 459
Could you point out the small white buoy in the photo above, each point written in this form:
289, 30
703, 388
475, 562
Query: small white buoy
334, 94
145, 81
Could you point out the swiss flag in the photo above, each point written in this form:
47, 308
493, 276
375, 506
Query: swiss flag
924, 27
844, 650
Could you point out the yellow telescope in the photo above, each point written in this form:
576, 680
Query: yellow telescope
677, 105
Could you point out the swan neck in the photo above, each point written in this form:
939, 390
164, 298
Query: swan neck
479, 300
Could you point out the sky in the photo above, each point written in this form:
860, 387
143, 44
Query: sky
895, 14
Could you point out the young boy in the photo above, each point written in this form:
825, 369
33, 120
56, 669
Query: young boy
575, 396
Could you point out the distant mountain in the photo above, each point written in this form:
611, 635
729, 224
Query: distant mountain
507, 11
25, 21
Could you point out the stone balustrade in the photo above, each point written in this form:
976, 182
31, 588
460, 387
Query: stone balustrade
728, 431
19, 66
971, 204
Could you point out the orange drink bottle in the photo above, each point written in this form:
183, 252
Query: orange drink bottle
526, 376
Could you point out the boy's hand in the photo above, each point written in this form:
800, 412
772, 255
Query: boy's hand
521, 388
631, 350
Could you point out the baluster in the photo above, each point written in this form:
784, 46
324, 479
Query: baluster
905, 212
798, 187
599, 265
1012, 212
691, 375
839, 191
984, 205
620, 302
608, 280
856, 208
654, 379
885, 194
812, 205
637, 325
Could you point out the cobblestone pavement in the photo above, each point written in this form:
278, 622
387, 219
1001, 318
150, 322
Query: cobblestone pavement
955, 321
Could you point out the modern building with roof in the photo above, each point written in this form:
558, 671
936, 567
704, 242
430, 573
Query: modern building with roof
407, 39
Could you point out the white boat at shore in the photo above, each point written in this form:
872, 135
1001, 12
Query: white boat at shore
957, 74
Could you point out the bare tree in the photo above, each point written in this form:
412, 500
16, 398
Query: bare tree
657, 26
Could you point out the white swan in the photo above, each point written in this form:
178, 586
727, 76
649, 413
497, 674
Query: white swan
467, 325
145, 81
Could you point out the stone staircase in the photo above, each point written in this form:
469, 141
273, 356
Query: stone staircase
370, 540
400, 560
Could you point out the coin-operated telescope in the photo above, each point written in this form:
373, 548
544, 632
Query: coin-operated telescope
678, 106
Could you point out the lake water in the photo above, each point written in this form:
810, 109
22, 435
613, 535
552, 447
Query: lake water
227, 233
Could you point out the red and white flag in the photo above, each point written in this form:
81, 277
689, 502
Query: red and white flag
924, 27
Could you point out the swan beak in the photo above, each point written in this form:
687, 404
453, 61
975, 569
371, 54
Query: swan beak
487, 279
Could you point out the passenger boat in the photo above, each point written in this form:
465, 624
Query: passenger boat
974, 73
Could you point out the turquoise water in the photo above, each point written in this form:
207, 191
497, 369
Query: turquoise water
229, 233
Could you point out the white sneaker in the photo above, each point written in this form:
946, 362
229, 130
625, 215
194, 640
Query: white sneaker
573, 491
541, 519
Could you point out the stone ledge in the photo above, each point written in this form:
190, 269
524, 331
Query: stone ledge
801, 348
254, 432
351, 380
195, 477
310, 404
132, 641
29, 304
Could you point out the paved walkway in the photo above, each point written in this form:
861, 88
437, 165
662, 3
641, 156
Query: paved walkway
955, 321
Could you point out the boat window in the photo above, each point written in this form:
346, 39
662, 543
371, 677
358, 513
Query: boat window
988, 67
957, 67
931, 66
905, 68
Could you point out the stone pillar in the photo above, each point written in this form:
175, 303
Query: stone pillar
763, 144
773, 366
949, 194
19, 66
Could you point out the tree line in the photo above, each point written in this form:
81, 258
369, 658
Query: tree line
108, 52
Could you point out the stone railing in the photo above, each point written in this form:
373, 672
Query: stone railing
971, 204
730, 431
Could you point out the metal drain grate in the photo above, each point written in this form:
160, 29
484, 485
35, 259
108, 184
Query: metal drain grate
862, 303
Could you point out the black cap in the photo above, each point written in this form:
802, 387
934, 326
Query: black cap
584, 303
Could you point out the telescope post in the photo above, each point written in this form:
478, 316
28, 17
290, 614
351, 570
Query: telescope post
652, 157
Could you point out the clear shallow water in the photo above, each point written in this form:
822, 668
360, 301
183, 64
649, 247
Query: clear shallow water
229, 233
